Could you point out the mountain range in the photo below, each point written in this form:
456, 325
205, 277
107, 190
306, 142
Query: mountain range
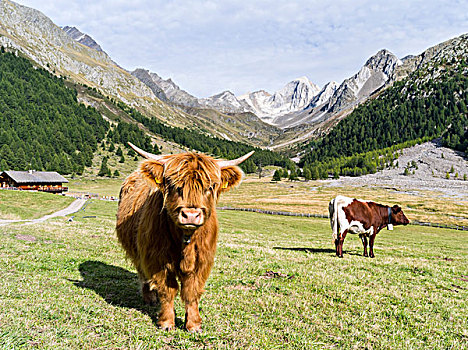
299, 111
31, 34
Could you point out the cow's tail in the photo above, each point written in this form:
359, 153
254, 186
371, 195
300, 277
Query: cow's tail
333, 211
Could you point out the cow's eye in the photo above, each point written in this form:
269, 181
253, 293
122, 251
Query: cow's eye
210, 191
174, 189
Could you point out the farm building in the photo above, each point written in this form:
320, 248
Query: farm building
32, 180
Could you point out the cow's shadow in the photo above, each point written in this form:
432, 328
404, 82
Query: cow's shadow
117, 286
317, 250
307, 250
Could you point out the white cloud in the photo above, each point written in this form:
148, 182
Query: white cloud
210, 46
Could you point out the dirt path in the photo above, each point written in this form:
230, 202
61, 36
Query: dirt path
72, 208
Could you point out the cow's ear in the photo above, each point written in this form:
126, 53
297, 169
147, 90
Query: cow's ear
396, 209
231, 176
152, 171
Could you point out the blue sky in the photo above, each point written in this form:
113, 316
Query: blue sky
210, 46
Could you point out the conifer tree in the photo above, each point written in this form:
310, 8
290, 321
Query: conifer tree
314, 173
293, 175
276, 175
307, 174
4, 165
104, 170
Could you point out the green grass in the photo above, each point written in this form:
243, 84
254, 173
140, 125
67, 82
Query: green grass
19, 205
312, 197
97, 185
69, 286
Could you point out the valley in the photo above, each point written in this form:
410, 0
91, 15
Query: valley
395, 131
299, 111
282, 270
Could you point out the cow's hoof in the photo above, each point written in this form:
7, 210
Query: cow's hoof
194, 329
166, 326
340, 256
372, 256
365, 255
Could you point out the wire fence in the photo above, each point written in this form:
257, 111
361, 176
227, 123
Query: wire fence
324, 216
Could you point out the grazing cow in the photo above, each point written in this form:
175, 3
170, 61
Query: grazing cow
365, 218
167, 224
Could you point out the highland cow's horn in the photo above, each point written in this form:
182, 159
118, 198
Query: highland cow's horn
145, 154
226, 163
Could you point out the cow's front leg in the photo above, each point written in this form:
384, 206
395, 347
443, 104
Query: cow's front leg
371, 245
337, 244
193, 320
191, 291
340, 243
364, 243
165, 285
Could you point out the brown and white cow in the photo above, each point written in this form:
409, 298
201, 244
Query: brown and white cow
167, 224
365, 218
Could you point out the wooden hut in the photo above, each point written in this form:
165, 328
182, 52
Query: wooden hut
46, 181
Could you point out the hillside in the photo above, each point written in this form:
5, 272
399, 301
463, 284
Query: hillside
430, 102
380, 72
35, 36
310, 113
424, 167
43, 126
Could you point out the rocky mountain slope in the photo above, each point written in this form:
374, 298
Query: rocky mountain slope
82, 38
303, 104
430, 103
301, 109
294, 96
433, 163
37, 37
456, 47
31, 34
166, 90
380, 72
376, 72
224, 102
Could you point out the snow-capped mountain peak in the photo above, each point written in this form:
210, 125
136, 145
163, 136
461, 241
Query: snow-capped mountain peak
324, 95
294, 96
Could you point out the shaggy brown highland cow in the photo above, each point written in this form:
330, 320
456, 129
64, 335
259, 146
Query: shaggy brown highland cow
167, 224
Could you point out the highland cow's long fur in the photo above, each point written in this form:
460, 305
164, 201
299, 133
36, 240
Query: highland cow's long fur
162, 250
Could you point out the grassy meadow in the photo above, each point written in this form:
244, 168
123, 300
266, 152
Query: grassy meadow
18, 205
276, 284
313, 197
